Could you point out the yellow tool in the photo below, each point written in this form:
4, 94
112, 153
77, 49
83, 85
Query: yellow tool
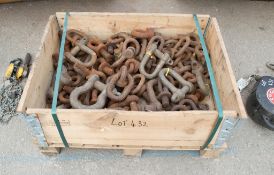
18, 68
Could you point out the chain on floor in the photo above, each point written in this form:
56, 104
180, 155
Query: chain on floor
10, 95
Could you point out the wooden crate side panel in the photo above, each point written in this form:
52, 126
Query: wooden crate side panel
105, 24
40, 76
109, 127
225, 79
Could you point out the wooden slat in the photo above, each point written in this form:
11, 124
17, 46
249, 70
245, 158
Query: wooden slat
9, 1
105, 24
34, 94
97, 146
225, 79
190, 128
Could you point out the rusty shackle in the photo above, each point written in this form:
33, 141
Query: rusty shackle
177, 94
111, 85
198, 70
157, 39
164, 59
74, 35
185, 40
81, 46
151, 94
131, 101
127, 51
65, 77
93, 81
98, 47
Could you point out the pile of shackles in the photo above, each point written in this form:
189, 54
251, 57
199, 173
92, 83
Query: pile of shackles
141, 71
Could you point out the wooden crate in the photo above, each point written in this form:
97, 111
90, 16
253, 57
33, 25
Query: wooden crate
128, 130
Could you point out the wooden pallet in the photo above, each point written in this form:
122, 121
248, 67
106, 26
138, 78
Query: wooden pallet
128, 130
9, 1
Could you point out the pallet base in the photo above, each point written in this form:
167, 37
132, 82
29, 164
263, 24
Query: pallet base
206, 153
133, 152
212, 153
50, 151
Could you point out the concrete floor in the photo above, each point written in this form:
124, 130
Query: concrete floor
248, 31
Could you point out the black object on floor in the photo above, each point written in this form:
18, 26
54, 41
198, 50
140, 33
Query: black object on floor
260, 103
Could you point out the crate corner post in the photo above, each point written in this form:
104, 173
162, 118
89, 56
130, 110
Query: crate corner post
50, 151
133, 152
213, 152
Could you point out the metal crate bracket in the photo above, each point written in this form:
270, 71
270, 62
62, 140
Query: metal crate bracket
228, 125
37, 130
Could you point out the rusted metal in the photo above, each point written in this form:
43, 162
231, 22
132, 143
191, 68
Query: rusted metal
134, 106
81, 46
65, 77
122, 81
101, 101
112, 83
192, 97
164, 95
186, 56
188, 102
186, 41
141, 71
198, 70
90, 72
94, 96
127, 51
180, 107
99, 47
132, 65
105, 67
151, 94
159, 40
76, 80
127, 102
142, 90
150, 64
203, 106
144, 34
68, 89
145, 95
199, 53
164, 59
170, 43
172, 80
111, 47
138, 87
86, 100
177, 94
182, 69
64, 97
72, 34
190, 77
118, 38
143, 49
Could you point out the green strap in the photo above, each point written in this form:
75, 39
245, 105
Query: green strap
213, 84
57, 83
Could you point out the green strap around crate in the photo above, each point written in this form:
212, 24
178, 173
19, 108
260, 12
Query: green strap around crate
57, 83
213, 83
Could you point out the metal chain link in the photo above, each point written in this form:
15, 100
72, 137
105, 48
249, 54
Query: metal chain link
10, 95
